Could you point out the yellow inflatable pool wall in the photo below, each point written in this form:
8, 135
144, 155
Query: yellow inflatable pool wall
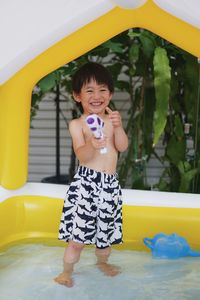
35, 216
32, 218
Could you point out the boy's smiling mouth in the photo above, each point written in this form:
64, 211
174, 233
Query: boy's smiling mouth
96, 104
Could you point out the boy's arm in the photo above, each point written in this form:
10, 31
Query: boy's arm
120, 137
84, 150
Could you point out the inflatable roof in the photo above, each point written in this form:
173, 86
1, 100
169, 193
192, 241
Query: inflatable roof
38, 37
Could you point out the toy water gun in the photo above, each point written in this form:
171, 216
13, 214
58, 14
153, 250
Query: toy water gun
96, 125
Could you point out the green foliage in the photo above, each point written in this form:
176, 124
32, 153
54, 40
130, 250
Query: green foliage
163, 83
162, 78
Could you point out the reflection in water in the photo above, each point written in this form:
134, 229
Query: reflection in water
27, 272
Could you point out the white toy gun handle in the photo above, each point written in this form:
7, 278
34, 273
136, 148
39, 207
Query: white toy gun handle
96, 125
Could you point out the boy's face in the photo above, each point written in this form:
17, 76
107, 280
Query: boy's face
94, 97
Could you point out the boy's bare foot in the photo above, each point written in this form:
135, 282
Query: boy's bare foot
64, 279
108, 269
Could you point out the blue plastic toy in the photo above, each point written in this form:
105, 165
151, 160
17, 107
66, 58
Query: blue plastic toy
169, 246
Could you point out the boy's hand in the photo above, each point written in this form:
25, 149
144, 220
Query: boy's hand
98, 143
115, 117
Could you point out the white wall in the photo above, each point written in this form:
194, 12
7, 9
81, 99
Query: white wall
42, 146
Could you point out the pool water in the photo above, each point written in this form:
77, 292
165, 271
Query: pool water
27, 272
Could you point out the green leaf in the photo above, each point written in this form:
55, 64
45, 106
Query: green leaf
178, 128
48, 82
67, 70
115, 70
162, 185
148, 44
114, 46
100, 51
122, 85
147, 119
134, 51
162, 77
175, 150
187, 174
133, 34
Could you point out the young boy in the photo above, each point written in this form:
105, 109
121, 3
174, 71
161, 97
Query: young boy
92, 208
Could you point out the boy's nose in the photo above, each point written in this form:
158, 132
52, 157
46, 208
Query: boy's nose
96, 95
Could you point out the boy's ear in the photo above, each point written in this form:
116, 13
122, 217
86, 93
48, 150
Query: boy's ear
76, 97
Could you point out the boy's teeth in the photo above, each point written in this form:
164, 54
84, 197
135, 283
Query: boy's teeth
96, 103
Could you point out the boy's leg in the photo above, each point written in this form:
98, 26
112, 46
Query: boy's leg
71, 257
102, 262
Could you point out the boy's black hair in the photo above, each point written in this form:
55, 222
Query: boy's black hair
95, 71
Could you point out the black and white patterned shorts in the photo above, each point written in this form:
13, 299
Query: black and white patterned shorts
92, 211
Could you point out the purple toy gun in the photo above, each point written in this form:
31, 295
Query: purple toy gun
96, 125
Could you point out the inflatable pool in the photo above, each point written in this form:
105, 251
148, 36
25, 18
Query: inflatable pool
32, 214
29, 51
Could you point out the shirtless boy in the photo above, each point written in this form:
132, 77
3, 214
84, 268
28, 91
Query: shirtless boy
92, 211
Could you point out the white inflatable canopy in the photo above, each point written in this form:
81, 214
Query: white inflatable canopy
28, 28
